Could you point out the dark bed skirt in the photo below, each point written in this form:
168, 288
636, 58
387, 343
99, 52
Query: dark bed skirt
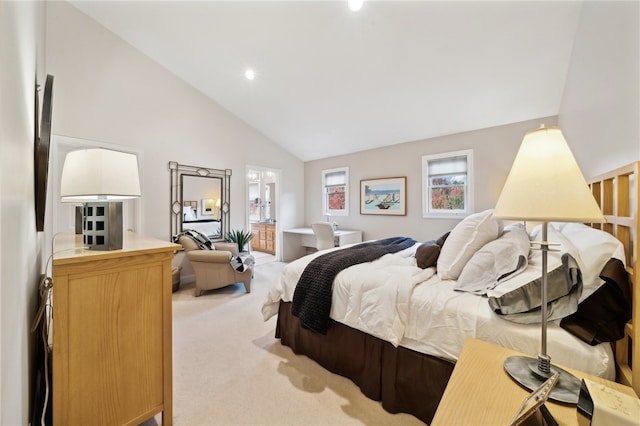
405, 381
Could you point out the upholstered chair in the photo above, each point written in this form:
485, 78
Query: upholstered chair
213, 268
325, 237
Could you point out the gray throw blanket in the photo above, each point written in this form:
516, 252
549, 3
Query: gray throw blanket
312, 297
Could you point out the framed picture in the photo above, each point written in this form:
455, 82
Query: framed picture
386, 196
206, 207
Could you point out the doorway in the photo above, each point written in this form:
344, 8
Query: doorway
263, 211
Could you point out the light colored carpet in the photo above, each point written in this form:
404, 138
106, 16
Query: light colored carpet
229, 369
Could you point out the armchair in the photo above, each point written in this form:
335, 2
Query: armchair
213, 268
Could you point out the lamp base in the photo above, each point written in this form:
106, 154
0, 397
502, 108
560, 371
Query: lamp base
524, 370
102, 225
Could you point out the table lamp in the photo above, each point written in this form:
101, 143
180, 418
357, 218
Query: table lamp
100, 178
545, 185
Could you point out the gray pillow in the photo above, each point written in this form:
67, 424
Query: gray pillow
427, 253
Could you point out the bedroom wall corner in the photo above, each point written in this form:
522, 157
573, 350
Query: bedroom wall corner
22, 60
601, 101
108, 91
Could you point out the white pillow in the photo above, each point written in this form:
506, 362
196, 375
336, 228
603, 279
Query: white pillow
560, 245
188, 213
595, 248
465, 239
496, 261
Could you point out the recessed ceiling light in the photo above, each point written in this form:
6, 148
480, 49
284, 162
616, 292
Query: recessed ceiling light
250, 74
355, 5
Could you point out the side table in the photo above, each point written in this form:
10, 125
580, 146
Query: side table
481, 392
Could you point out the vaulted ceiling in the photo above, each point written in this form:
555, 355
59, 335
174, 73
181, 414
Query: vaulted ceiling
331, 81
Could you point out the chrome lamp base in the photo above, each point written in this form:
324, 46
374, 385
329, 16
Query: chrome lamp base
529, 373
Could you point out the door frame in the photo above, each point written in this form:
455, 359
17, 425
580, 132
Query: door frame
277, 173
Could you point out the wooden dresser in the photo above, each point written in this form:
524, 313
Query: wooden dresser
264, 237
112, 348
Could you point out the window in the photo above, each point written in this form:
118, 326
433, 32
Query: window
335, 192
447, 184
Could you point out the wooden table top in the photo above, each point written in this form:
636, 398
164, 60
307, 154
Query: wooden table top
481, 392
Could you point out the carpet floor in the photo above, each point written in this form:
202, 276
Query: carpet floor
229, 369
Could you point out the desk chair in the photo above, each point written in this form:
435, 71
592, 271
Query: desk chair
323, 232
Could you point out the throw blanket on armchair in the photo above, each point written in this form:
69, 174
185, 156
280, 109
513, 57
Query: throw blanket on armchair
312, 297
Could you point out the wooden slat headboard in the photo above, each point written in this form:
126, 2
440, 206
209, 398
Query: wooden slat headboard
617, 193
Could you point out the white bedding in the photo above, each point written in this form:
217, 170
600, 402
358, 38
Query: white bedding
423, 313
210, 228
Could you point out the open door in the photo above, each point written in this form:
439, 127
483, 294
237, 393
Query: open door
263, 203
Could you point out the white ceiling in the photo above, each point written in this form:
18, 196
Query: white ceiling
330, 81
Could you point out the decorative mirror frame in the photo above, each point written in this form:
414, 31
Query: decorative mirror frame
179, 170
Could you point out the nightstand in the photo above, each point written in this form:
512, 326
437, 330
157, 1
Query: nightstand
480, 392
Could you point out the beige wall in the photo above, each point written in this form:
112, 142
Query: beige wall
493, 149
600, 113
22, 45
107, 91
599, 117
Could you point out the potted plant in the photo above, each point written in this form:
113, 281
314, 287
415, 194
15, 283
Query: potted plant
240, 237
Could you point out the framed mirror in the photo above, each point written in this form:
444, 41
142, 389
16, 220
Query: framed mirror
200, 200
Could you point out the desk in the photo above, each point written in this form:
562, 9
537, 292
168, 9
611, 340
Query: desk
296, 240
480, 391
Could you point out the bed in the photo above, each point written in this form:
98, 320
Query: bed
208, 227
190, 220
402, 353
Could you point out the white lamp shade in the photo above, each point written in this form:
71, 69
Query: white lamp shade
99, 174
545, 183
